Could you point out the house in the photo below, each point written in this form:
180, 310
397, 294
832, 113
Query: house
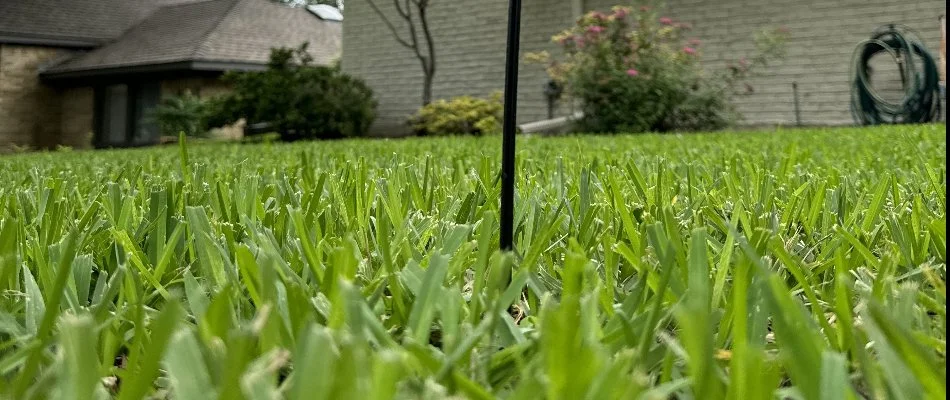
87, 72
470, 44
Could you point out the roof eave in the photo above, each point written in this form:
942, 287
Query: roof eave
177, 66
30, 40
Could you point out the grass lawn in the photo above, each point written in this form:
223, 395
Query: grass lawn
799, 264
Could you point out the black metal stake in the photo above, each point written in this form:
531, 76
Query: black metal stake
509, 127
798, 110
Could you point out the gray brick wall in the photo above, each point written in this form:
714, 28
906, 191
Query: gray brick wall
470, 44
823, 36
470, 40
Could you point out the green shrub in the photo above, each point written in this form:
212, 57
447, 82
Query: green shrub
185, 113
298, 99
634, 71
463, 115
220, 111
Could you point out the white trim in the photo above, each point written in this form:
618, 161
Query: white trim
547, 125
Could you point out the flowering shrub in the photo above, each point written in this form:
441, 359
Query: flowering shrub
463, 115
636, 71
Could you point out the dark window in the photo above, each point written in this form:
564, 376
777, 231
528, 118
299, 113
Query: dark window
146, 129
124, 114
114, 115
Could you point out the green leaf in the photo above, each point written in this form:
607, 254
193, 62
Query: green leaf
186, 368
424, 306
139, 383
35, 307
316, 357
80, 377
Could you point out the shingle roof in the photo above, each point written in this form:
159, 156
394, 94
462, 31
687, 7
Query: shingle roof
82, 23
215, 31
253, 27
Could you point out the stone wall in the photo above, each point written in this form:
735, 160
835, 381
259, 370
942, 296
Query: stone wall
29, 110
470, 44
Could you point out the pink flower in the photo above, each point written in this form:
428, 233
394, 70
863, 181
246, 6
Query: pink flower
694, 42
595, 29
598, 15
666, 20
632, 72
689, 50
621, 13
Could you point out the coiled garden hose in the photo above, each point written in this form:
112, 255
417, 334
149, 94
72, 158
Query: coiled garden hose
921, 99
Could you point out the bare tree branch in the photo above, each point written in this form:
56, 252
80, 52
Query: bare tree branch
422, 4
389, 24
412, 34
404, 9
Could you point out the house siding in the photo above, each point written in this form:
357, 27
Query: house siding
29, 110
470, 42
823, 37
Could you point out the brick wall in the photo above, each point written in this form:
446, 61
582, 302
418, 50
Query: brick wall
470, 40
943, 48
468, 63
29, 110
77, 109
823, 36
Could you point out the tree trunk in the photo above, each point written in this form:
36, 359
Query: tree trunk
427, 89
429, 66
427, 61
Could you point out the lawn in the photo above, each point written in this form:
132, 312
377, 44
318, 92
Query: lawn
799, 264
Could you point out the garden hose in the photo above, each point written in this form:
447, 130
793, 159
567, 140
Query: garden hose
921, 99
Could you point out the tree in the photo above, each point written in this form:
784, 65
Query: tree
414, 13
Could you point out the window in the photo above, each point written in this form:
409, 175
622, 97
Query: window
123, 113
146, 129
114, 115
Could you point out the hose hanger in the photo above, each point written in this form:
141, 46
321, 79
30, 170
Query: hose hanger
920, 102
